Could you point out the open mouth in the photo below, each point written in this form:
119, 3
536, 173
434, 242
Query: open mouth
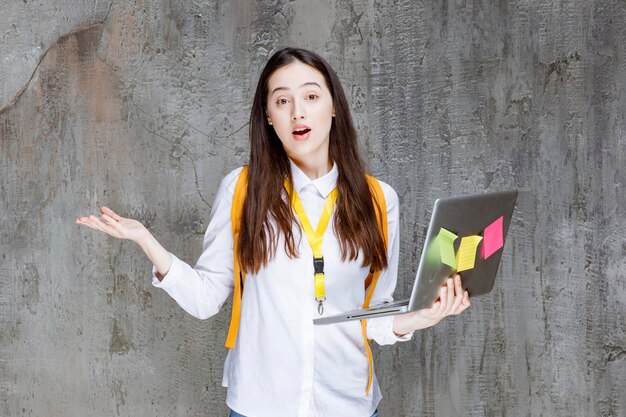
301, 134
301, 131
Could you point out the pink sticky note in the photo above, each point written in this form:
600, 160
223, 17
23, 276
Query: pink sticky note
492, 238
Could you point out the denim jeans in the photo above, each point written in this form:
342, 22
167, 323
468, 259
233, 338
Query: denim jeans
235, 414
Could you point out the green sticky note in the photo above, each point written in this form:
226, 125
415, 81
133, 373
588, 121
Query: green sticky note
446, 239
466, 255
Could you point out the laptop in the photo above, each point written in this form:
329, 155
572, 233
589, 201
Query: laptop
466, 234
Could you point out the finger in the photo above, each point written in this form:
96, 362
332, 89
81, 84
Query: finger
109, 212
458, 295
466, 299
85, 222
434, 310
106, 228
81, 219
458, 287
464, 305
97, 223
113, 226
450, 291
443, 300
108, 219
90, 223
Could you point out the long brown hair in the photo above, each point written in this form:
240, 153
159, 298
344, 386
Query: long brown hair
266, 213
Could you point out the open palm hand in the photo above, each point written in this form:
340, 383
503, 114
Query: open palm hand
114, 225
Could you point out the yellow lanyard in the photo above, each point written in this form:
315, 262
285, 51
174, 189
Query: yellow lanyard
315, 239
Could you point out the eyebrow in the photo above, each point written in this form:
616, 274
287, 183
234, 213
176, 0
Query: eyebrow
287, 88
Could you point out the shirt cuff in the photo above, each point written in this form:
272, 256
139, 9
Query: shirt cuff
381, 330
173, 275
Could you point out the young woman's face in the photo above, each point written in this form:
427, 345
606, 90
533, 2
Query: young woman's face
300, 108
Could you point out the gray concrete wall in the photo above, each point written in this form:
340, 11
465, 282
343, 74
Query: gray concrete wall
143, 106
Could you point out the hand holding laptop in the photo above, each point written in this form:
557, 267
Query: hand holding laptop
453, 300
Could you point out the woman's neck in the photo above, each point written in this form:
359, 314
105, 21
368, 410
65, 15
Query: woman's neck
314, 169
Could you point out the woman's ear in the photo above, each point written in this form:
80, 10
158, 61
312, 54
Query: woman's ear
333, 112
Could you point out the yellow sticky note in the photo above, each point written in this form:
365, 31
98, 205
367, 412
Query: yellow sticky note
466, 255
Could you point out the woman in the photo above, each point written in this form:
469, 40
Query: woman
303, 154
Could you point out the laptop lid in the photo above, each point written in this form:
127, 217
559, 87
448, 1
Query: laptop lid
476, 227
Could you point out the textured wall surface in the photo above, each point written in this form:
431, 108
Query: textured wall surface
143, 106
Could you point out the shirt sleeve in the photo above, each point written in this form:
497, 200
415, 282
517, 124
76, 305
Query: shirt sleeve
202, 290
381, 329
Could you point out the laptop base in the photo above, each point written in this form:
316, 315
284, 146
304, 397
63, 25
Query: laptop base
380, 310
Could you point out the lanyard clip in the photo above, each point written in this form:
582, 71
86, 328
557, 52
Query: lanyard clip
320, 305
318, 265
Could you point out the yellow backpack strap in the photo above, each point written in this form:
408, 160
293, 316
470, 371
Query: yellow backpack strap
380, 206
239, 197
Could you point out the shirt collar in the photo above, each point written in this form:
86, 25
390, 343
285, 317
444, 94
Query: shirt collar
324, 184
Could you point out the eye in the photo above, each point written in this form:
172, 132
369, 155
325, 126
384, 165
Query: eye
312, 97
281, 101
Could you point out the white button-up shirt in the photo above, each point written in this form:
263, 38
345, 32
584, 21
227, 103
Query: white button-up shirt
282, 365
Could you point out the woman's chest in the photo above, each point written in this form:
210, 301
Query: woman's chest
283, 276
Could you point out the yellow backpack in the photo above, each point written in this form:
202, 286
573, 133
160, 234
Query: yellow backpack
241, 188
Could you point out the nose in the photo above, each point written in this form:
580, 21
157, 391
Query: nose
297, 111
